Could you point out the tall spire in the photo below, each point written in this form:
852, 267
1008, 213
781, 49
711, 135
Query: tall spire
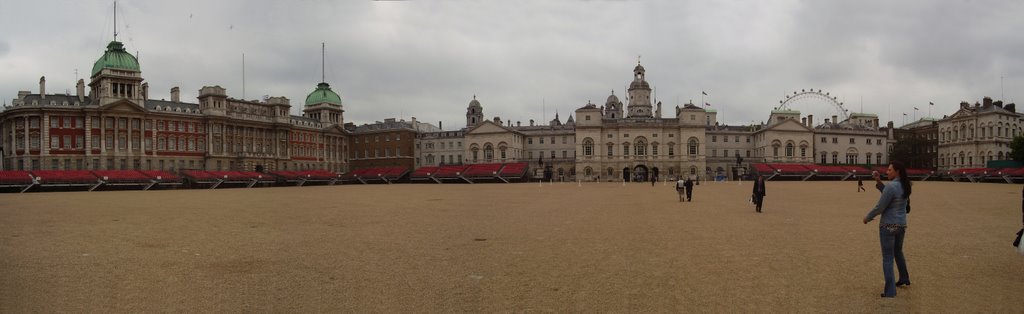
115, 20
323, 62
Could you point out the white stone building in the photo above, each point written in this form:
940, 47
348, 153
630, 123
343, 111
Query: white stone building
977, 134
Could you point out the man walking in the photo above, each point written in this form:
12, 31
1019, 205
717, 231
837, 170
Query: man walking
758, 193
680, 188
689, 189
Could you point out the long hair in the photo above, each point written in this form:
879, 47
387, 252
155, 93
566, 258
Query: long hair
904, 180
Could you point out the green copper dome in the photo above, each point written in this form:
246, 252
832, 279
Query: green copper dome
323, 94
116, 57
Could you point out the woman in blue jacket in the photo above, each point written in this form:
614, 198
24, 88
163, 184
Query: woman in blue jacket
892, 227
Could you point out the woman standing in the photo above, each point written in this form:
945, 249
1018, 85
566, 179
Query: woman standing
892, 206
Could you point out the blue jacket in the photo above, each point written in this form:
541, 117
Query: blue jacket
891, 205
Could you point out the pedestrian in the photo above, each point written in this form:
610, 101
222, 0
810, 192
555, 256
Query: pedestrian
860, 184
652, 180
892, 227
759, 193
681, 188
689, 189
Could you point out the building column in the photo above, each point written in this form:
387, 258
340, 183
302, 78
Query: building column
44, 136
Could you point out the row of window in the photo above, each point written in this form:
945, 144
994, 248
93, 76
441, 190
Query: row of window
835, 140
965, 134
149, 164
968, 160
625, 135
450, 159
69, 122
639, 149
430, 145
851, 158
565, 139
376, 153
171, 143
387, 138
565, 154
725, 138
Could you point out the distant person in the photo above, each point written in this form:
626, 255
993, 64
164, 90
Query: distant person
689, 189
892, 206
860, 185
681, 188
759, 193
653, 179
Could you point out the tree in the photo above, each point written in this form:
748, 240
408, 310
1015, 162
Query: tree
1017, 147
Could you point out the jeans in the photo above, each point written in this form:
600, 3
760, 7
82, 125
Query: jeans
892, 249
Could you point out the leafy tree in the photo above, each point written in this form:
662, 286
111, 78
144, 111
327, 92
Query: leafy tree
1017, 147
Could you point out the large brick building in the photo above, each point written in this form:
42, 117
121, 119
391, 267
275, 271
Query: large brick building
117, 126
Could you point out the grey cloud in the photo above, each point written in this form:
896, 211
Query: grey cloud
427, 59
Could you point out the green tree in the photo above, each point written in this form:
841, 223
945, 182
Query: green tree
1017, 147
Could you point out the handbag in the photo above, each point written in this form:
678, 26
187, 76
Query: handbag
1018, 244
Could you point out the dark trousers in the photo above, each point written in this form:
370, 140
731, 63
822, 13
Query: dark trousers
689, 194
758, 200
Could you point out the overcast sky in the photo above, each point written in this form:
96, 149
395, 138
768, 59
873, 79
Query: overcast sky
528, 59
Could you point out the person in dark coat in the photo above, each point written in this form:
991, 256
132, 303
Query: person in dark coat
759, 193
688, 185
860, 185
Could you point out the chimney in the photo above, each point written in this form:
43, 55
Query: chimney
998, 103
42, 87
518, 123
175, 94
1011, 107
531, 122
835, 119
987, 101
875, 124
439, 125
810, 120
826, 121
80, 88
804, 121
145, 91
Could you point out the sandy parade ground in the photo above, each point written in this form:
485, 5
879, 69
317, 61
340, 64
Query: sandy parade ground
595, 247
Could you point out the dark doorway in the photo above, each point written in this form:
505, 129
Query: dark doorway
640, 173
625, 174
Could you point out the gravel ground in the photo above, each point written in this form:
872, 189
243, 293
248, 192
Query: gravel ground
599, 247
